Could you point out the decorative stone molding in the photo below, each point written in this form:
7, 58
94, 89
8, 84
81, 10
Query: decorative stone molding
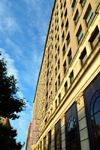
78, 99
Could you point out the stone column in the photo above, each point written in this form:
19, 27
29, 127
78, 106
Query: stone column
83, 130
63, 141
53, 138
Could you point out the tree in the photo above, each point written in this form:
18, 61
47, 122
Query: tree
10, 105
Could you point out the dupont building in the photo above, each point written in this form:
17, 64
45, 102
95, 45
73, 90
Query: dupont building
67, 97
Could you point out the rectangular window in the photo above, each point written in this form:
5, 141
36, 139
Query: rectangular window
58, 63
55, 57
76, 18
59, 80
64, 50
55, 71
59, 98
63, 37
58, 50
74, 4
79, 35
46, 107
95, 37
56, 87
71, 77
49, 135
66, 87
68, 39
69, 56
65, 13
65, 67
82, 3
66, 25
41, 145
83, 56
45, 143
56, 104
88, 15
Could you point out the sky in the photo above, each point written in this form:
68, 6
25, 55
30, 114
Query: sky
23, 30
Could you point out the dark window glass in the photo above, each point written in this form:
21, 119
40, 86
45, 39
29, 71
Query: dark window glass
58, 135
92, 104
45, 143
82, 2
72, 129
83, 56
65, 67
70, 56
88, 15
68, 39
49, 144
79, 34
95, 38
66, 87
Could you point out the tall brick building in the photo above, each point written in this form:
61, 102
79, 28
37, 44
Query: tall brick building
67, 98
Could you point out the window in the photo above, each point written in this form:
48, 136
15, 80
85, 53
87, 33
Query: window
55, 57
92, 104
59, 80
49, 144
62, 14
58, 63
62, 25
74, 4
83, 56
45, 143
65, 4
76, 18
56, 87
95, 37
65, 13
72, 129
82, 2
69, 56
68, 39
65, 67
88, 15
64, 50
58, 135
55, 71
66, 87
58, 50
79, 35
59, 97
71, 77
63, 37
47, 95
66, 25
56, 104
41, 145
46, 107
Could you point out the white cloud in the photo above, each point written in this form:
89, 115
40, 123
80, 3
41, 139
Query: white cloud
10, 64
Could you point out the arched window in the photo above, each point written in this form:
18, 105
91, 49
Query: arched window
92, 103
72, 129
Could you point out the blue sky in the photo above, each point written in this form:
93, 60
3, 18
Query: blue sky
23, 29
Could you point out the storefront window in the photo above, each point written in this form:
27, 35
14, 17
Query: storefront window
72, 129
92, 103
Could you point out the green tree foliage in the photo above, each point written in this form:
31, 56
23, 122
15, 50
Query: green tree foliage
8, 138
10, 103
10, 106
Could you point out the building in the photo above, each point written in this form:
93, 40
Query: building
5, 121
67, 97
28, 137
